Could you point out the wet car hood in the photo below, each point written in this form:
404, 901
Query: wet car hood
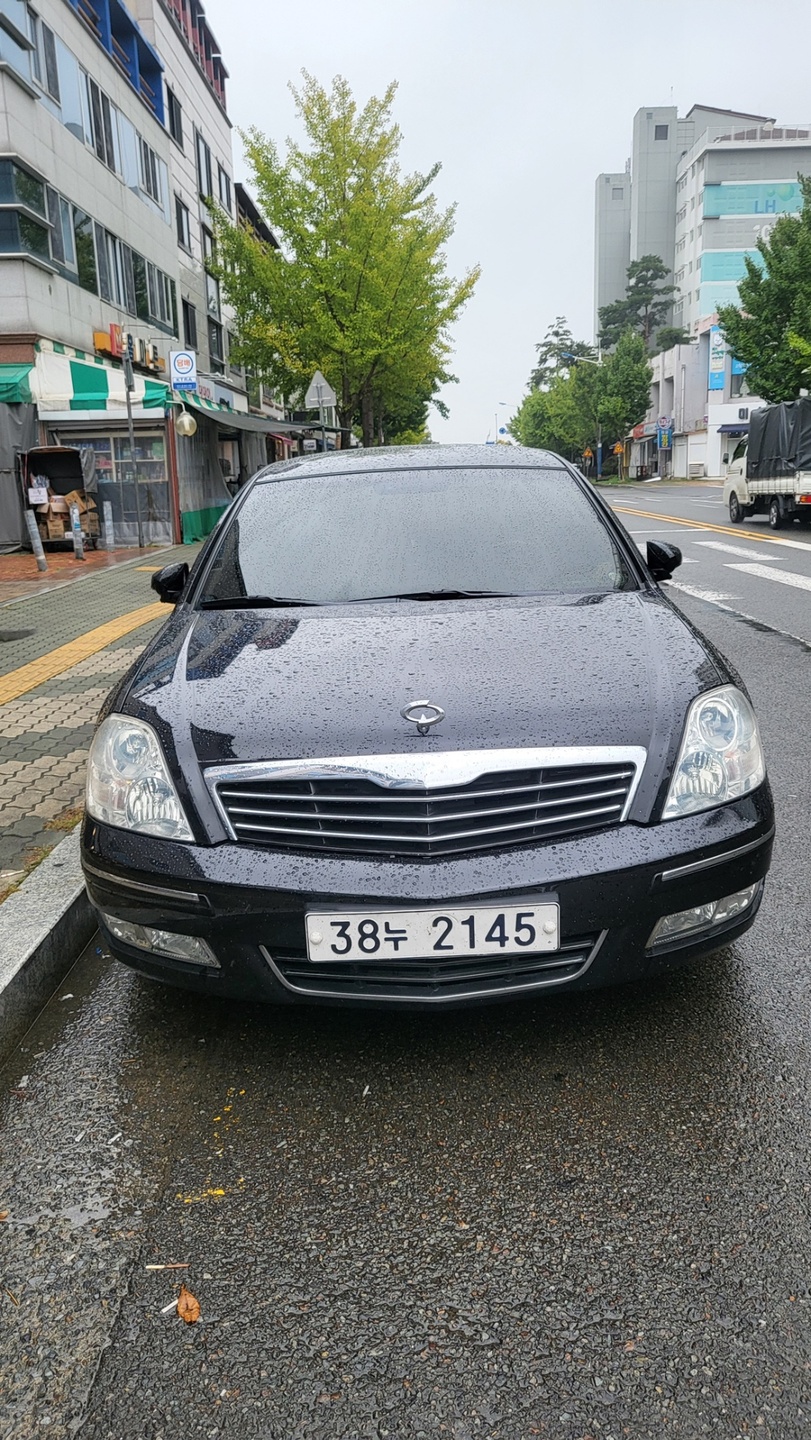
618, 669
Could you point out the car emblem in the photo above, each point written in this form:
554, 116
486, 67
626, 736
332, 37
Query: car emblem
423, 714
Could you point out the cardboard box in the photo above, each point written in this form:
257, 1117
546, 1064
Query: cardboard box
74, 498
58, 505
55, 527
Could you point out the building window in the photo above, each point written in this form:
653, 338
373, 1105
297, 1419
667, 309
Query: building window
101, 125
204, 182
141, 293
212, 296
85, 253
660, 132
174, 114
617, 193
150, 173
233, 364
160, 293
224, 180
43, 57
208, 244
61, 230
183, 227
215, 351
189, 325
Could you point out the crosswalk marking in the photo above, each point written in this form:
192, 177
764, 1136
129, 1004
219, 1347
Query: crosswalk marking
768, 572
727, 549
712, 595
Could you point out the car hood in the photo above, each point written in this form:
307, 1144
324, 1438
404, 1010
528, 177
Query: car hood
618, 669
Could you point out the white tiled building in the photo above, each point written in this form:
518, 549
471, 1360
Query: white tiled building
113, 126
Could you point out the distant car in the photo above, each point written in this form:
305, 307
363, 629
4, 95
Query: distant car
423, 730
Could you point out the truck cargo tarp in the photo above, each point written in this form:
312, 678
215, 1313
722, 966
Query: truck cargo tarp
779, 440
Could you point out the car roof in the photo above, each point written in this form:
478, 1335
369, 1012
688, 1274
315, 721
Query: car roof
414, 457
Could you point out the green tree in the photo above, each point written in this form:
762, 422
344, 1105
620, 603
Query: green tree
593, 404
555, 353
537, 422
671, 335
359, 288
646, 302
775, 305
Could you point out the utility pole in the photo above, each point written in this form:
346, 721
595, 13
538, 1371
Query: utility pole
129, 383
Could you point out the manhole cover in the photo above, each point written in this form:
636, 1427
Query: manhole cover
6, 635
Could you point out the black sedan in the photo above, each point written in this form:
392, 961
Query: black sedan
423, 729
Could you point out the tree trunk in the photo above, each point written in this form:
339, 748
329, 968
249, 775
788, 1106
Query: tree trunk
367, 415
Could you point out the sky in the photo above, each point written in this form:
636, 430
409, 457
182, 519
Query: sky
524, 103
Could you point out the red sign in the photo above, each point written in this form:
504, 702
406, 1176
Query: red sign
638, 431
116, 341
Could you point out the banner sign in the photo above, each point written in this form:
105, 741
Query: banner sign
718, 356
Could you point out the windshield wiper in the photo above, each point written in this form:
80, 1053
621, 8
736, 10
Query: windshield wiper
253, 602
443, 595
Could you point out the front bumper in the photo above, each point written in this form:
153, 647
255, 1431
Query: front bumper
249, 905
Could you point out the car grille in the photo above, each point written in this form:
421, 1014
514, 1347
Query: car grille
498, 810
431, 980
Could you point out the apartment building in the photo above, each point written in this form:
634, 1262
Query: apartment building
728, 176
114, 135
642, 220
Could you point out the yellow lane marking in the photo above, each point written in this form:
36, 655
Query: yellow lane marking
150, 568
36, 672
707, 525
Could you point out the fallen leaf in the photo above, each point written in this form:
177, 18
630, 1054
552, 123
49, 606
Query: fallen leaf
3, 1214
188, 1307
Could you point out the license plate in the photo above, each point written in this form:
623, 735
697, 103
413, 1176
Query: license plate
381, 935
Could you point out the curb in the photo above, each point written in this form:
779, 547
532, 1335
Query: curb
44, 926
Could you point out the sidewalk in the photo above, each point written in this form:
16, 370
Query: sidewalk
62, 648
19, 576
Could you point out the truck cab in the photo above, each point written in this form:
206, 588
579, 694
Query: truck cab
736, 491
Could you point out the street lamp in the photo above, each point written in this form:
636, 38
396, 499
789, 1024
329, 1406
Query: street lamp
584, 360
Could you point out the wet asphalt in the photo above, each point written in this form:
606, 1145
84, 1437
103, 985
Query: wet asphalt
576, 1217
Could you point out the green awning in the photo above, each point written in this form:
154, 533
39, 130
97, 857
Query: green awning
15, 386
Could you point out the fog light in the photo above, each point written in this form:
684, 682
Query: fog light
162, 942
703, 917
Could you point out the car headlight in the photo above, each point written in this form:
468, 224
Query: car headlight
128, 781
720, 758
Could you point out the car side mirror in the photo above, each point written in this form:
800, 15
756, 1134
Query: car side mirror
170, 582
663, 559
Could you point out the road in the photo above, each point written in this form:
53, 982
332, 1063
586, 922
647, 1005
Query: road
748, 568
575, 1217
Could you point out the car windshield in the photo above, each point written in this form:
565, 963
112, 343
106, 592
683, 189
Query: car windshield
417, 534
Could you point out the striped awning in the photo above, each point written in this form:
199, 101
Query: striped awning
62, 380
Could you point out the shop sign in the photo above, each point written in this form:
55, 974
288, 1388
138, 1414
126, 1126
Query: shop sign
183, 369
117, 343
638, 432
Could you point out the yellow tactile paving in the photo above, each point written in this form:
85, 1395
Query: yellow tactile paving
36, 672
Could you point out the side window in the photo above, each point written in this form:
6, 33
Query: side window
739, 451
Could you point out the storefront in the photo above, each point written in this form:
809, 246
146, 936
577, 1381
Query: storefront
81, 400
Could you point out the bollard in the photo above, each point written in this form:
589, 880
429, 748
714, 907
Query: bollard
36, 540
109, 529
76, 531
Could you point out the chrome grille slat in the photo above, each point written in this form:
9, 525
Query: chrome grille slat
465, 834
389, 797
454, 815
340, 807
436, 980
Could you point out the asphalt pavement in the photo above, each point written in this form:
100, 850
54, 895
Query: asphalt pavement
573, 1217
747, 568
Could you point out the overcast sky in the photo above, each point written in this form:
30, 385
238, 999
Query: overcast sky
524, 102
